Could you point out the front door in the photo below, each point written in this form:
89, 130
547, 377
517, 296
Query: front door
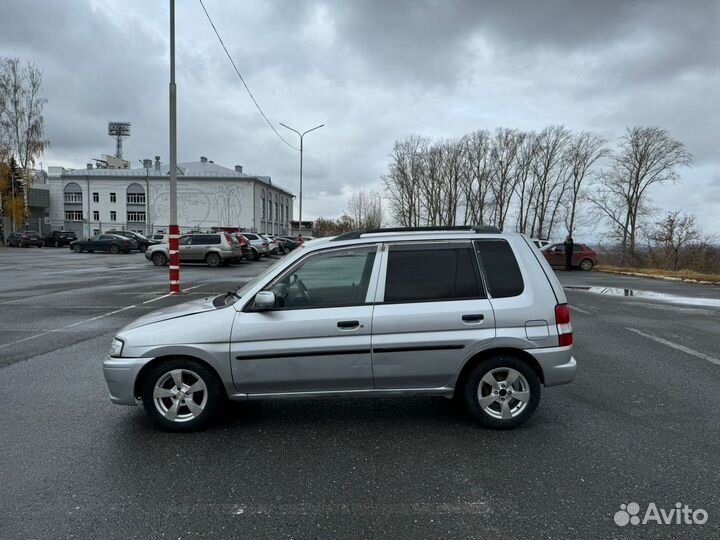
317, 337
432, 313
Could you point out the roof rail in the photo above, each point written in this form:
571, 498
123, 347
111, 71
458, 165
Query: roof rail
353, 235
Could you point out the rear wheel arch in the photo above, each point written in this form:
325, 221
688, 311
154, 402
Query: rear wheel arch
491, 353
147, 368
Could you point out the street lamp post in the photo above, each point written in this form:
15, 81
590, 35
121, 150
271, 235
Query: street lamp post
301, 164
173, 229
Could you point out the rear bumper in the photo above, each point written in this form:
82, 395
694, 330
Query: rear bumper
120, 375
557, 364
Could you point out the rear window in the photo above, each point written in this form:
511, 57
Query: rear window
426, 274
501, 269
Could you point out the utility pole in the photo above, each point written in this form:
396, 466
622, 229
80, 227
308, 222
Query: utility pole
173, 229
302, 135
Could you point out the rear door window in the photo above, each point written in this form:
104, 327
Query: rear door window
431, 273
501, 269
205, 239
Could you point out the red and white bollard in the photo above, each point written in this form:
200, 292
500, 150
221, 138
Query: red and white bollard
174, 247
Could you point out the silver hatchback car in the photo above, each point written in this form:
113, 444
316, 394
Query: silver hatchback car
473, 314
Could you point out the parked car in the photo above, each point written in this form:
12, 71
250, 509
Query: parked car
258, 245
214, 249
160, 238
244, 245
361, 314
287, 244
114, 243
142, 241
24, 239
541, 243
583, 257
273, 244
59, 238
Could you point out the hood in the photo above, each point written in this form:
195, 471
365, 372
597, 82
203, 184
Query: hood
173, 312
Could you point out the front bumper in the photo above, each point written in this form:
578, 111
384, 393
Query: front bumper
120, 375
557, 363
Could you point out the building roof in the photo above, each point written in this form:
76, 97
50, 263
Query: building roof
189, 169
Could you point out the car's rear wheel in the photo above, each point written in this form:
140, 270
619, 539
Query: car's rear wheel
586, 264
255, 255
213, 259
114, 249
182, 395
77, 248
502, 392
57, 244
159, 259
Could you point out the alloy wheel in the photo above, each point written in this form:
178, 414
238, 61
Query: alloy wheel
180, 395
503, 393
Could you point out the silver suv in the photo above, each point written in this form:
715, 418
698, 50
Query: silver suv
473, 314
214, 249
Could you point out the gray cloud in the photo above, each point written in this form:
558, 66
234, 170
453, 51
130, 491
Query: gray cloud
372, 71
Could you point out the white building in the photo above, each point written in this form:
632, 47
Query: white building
92, 200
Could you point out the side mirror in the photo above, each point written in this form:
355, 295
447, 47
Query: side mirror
265, 300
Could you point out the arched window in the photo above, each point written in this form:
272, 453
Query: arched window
73, 193
135, 195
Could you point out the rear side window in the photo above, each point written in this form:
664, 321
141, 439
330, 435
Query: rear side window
431, 273
501, 269
205, 239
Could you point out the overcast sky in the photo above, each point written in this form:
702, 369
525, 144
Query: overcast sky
373, 71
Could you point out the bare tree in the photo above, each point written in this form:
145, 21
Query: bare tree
646, 156
583, 151
674, 233
475, 181
21, 111
402, 182
506, 145
365, 210
549, 178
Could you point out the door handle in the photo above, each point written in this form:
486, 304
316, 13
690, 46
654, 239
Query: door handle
477, 317
345, 325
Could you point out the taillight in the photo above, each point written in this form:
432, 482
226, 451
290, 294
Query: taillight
564, 328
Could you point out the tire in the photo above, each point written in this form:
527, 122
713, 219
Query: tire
213, 259
77, 248
114, 249
255, 255
57, 244
487, 380
586, 265
159, 259
160, 388
143, 248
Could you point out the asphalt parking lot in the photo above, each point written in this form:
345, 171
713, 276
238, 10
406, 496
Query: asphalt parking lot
639, 424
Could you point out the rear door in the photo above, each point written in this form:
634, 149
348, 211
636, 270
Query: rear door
431, 313
317, 338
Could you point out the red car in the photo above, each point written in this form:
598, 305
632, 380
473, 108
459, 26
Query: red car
583, 257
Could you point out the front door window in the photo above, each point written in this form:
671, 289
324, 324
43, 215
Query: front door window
332, 279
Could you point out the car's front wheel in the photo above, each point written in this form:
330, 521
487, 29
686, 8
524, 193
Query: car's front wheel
502, 392
158, 259
77, 248
57, 244
586, 264
114, 249
143, 248
182, 395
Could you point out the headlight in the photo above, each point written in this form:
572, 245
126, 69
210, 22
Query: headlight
116, 347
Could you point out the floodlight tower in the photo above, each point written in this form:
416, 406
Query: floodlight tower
119, 130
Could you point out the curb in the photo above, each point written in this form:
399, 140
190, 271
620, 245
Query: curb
665, 278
